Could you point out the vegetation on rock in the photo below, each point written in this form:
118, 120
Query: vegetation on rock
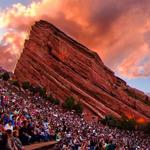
5, 76
123, 123
70, 104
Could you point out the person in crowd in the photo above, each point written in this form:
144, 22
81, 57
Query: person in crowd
17, 141
9, 126
24, 133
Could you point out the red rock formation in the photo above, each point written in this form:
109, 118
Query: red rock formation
66, 68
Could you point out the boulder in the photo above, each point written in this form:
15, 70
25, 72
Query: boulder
54, 60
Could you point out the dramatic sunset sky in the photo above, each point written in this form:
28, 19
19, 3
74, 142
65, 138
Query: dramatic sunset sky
118, 30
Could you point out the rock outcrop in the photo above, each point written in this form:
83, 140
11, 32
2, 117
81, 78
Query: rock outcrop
66, 68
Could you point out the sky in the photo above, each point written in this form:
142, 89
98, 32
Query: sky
119, 31
8, 3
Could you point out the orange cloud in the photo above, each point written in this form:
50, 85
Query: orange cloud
10, 47
118, 30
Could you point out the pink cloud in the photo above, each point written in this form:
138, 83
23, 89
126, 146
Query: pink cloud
117, 30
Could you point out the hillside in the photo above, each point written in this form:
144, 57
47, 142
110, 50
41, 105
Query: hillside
52, 59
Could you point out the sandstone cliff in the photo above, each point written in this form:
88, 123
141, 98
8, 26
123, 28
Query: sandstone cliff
53, 60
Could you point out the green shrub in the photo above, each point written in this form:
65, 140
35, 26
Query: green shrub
56, 102
5, 76
33, 89
127, 124
42, 92
15, 83
26, 85
110, 121
53, 100
123, 123
49, 97
147, 128
1, 75
38, 89
69, 103
78, 108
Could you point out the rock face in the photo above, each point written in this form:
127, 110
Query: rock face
66, 68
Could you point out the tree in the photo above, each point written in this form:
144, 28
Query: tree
123, 123
56, 102
49, 98
15, 83
42, 92
110, 121
147, 128
53, 100
37, 89
32, 89
26, 85
78, 108
5, 76
127, 124
69, 103
1, 75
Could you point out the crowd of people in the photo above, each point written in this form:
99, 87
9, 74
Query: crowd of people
26, 118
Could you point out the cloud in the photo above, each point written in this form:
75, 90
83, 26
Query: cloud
118, 30
10, 48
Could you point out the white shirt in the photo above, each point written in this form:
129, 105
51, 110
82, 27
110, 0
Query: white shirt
8, 127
